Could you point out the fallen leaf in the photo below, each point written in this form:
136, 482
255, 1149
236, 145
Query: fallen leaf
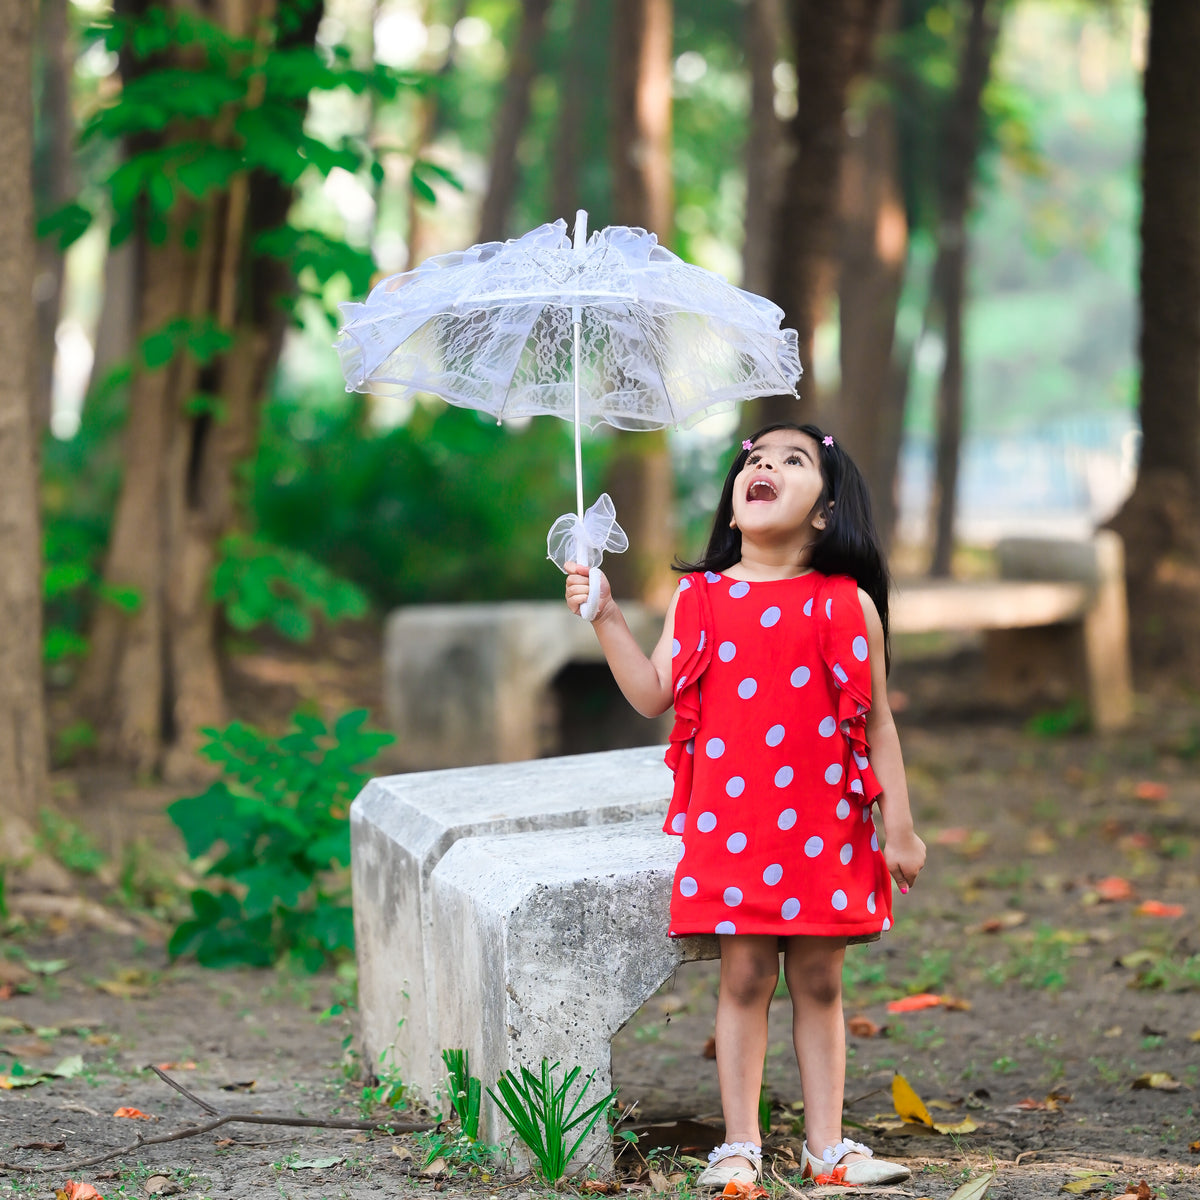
1006, 920
1085, 1185
42, 1146
401, 1152
176, 1066
8, 1082
1114, 888
244, 1085
1040, 842
78, 1191
14, 1025
160, 1185
1156, 908
1194, 1036
975, 1189
433, 1169
658, 1181
1150, 790
710, 1048
1194, 1147
223, 1142
601, 1187
1141, 1190
907, 1103
955, 835
1162, 1081
133, 1114
956, 1004
914, 1003
70, 1066
737, 1190
863, 1027
966, 1125
320, 1164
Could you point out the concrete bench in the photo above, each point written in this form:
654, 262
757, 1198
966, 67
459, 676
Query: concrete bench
1057, 613
402, 826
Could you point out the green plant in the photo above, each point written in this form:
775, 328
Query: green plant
465, 1091
536, 1109
281, 815
1171, 975
764, 1111
387, 1091
1040, 962
66, 841
1059, 722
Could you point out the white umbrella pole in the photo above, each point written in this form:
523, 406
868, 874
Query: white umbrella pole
588, 611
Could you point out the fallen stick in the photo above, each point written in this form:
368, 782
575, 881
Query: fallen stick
219, 1119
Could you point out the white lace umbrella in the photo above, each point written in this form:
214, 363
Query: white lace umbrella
608, 329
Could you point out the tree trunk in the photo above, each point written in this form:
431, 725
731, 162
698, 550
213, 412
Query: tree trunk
22, 717
764, 144
831, 44
510, 122
564, 171
641, 480
1160, 520
874, 255
960, 151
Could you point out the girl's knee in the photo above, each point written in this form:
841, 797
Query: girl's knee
749, 979
816, 976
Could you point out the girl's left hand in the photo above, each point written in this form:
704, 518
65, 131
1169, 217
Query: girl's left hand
905, 856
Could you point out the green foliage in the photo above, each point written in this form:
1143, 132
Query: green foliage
67, 842
1171, 975
465, 1091
537, 1110
260, 584
280, 815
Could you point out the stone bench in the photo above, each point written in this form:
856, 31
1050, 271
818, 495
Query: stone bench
401, 828
1057, 614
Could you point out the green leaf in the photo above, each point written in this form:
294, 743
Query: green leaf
66, 225
200, 819
127, 599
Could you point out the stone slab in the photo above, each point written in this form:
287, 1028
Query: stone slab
402, 825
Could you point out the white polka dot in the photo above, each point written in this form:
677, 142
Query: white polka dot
691, 746
712, 577
747, 688
773, 874
700, 643
706, 822
843, 808
733, 896
800, 676
866, 815
813, 846
887, 923
736, 843
675, 647
783, 776
833, 773
827, 727
725, 927
838, 900
682, 851
687, 886
787, 818
859, 646
875, 841
856, 786
684, 584
739, 590
682, 681
847, 853
861, 761
837, 670
790, 909
829, 608
678, 821
808, 607
735, 786
726, 651
770, 617
775, 735
714, 748
871, 904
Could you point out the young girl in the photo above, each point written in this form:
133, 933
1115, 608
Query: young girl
774, 653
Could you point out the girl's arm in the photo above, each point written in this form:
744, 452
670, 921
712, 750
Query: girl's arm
644, 682
903, 851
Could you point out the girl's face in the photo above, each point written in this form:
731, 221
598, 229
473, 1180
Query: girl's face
775, 493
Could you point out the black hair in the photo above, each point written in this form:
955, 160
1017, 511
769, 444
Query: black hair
848, 545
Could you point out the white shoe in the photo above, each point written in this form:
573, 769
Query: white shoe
719, 1172
870, 1170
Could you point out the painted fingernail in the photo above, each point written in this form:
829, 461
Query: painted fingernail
904, 891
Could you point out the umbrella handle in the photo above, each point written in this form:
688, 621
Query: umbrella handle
592, 603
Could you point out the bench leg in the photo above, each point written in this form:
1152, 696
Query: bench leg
1106, 640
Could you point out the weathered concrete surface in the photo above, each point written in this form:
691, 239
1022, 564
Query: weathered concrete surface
402, 825
472, 683
547, 943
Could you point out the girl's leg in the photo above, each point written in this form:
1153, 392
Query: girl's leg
749, 973
813, 970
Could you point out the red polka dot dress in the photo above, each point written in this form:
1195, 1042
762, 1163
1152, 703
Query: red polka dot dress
773, 787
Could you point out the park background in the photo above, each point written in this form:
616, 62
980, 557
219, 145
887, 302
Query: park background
980, 215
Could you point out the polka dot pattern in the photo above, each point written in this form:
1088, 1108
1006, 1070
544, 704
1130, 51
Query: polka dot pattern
747, 688
770, 617
725, 927
714, 748
726, 651
774, 735
784, 776
773, 874
791, 909
736, 843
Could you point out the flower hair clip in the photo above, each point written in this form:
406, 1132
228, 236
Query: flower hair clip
747, 445
827, 440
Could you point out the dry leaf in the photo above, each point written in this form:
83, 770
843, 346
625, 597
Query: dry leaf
160, 1185
710, 1048
914, 1003
956, 1004
78, 1191
1141, 1191
658, 1181
1040, 842
1162, 1081
176, 1066
954, 836
1194, 1036
1194, 1147
1088, 1183
907, 1103
1006, 920
435, 1168
1114, 888
242, 1085
134, 1114
863, 1027
1156, 908
736, 1190
401, 1152
1149, 790
42, 1146
966, 1125
975, 1189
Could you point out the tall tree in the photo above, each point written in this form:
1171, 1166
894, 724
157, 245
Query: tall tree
1161, 519
564, 176
960, 151
640, 476
831, 44
22, 722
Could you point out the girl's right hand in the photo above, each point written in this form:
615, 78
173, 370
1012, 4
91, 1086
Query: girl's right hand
577, 590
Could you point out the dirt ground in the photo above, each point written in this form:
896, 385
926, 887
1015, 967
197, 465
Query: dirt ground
1047, 920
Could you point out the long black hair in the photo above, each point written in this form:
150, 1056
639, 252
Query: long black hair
848, 545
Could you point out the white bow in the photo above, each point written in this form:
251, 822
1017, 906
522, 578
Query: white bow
584, 540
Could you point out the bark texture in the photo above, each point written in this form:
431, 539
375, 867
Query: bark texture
831, 45
1159, 522
22, 720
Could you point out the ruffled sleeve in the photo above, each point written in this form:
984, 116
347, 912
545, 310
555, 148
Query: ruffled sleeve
842, 635
692, 653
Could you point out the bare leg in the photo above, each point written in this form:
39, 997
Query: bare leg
749, 972
813, 969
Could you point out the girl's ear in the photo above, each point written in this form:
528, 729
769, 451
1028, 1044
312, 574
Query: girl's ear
733, 522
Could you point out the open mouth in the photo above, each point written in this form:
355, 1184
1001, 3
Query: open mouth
761, 490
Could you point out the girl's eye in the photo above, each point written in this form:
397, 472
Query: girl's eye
794, 458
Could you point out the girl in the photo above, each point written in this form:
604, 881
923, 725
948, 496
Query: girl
774, 653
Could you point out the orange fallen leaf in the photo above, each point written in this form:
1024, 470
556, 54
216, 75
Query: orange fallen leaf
1194, 1147
955, 835
956, 1004
863, 1027
134, 1114
176, 1066
78, 1191
1149, 789
1156, 908
1114, 888
909, 1004
710, 1048
1141, 1191
736, 1190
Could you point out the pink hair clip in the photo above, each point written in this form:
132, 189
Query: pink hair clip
747, 445
827, 440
